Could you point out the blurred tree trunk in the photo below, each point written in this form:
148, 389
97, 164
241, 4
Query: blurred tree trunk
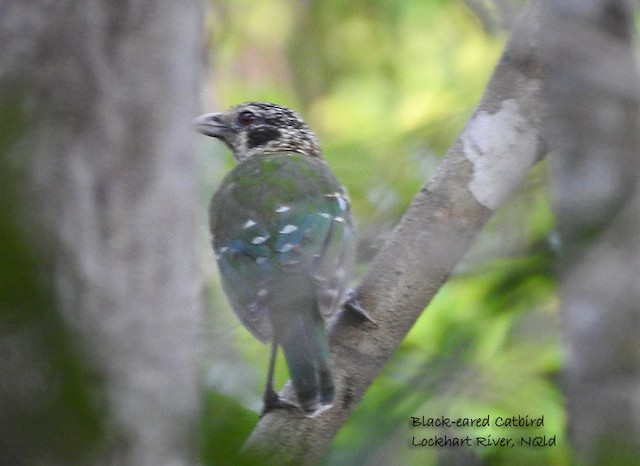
100, 294
593, 93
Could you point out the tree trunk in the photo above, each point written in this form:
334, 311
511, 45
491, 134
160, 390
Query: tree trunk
593, 93
98, 330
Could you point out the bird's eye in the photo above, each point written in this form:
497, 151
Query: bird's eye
246, 118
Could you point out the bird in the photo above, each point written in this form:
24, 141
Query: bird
283, 237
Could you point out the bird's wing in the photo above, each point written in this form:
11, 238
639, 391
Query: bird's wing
246, 269
279, 237
322, 246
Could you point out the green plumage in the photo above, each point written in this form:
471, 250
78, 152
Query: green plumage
284, 243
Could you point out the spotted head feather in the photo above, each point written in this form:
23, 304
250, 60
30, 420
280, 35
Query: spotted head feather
258, 128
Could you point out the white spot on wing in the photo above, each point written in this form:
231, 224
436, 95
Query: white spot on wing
342, 202
259, 239
288, 229
223, 249
290, 263
324, 214
262, 293
287, 247
338, 219
248, 224
282, 208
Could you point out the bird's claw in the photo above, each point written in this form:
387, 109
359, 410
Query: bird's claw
273, 401
355, 309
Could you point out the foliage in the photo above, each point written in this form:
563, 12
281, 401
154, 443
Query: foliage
488, 345
388, 85
225, 425
392, 82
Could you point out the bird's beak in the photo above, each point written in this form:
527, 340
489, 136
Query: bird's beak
211, 124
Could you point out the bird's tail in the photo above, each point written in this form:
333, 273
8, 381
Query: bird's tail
306, 351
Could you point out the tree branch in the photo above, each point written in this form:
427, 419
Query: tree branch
490, 157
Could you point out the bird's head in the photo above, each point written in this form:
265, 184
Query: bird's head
256, 128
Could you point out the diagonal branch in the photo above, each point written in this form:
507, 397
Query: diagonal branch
487, 162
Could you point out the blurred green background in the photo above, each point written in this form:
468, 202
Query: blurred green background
388, 85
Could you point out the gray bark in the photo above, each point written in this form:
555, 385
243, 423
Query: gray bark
593, 94
495, 150
97, 99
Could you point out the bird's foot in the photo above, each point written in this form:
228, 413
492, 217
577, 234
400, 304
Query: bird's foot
273, 401
317, 409
355, 309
